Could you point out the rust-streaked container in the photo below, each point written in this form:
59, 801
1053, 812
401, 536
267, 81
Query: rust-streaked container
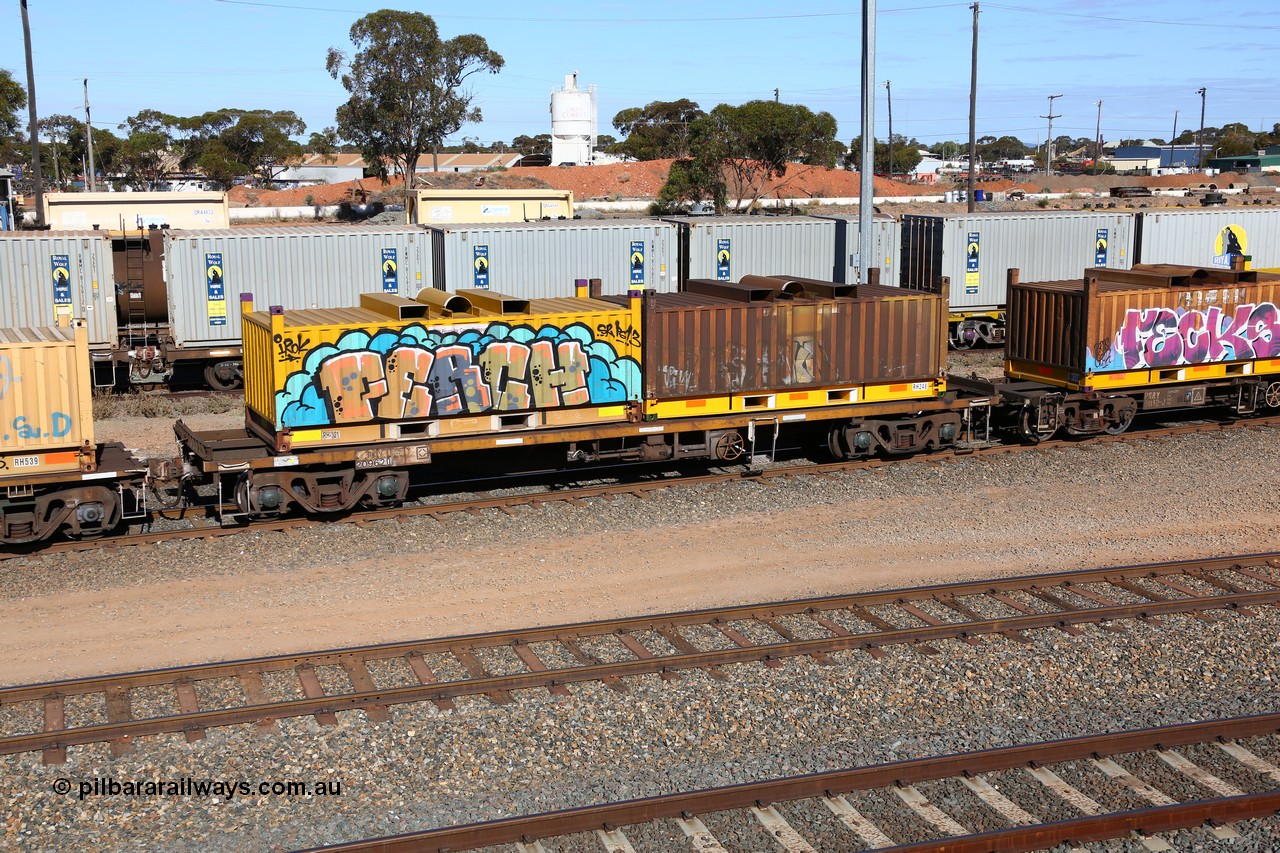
46, 408
1149, 325
704, 345
470, 362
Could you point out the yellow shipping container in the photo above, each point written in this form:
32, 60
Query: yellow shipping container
119, 213
440, 358
46, 406
440, 207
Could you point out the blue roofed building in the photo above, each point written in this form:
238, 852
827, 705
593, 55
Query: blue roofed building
1147, 158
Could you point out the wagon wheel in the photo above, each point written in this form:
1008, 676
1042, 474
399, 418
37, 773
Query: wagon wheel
1028, 426
221, 377
1123, 421
730, 447
1273, 395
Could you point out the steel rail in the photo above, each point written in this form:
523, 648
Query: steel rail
416, 510
742, 796
552, 678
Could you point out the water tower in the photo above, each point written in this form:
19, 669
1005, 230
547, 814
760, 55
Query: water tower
573, 123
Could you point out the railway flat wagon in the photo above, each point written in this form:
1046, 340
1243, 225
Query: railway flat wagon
539, 260
1091, 353
397, 380
773, 346
52, 472
976, 250
724, 248
292, 267
49, 277
1210, 238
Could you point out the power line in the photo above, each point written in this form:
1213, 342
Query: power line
1145, 21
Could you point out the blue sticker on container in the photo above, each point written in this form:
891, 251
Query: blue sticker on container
216, 299
723, 256
1100, 249
637, 262
390, 272
60, 269
480, 263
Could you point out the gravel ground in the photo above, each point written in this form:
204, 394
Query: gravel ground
482, 761
260, 593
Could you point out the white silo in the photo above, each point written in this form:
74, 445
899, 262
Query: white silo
573, 123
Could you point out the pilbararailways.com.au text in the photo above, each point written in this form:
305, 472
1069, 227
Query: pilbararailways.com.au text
226, 789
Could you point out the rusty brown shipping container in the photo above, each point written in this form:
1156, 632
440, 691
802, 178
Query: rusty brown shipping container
1151, 318
776, 334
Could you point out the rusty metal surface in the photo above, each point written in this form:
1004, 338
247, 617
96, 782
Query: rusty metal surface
1150, 317
735, 797
706, 346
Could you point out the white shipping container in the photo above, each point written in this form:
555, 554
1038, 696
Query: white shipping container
886, 244
728, 247
541, 260
977, 250
1208, 237
308, 267
50, 277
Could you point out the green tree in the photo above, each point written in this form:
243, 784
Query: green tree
540, 144
755, 143
692, 180
657, 130
948, 150
405, 84
905, 156
13, 98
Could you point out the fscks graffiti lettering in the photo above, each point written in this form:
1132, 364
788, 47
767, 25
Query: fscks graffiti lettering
418, 372
1166, 337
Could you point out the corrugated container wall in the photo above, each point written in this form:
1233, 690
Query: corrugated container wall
886, 242
1206, 238
702, 346
726, 248
45, 402
977, 250
1125, 326
45, 276
541, 260
296, 268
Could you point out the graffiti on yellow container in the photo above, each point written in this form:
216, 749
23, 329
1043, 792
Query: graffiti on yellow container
419, 372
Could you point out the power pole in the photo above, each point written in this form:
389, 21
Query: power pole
36, 177
1048, 142
88, 135
775, 94
1097, 140
1175, 136
866, 177
1200, 135
889, 93
973, 112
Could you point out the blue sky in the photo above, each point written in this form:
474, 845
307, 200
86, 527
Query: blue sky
1144, 60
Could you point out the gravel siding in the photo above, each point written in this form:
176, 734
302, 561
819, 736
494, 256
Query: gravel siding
483, 761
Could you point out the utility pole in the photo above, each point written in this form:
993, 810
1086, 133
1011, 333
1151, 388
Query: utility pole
88, 136
973, 112
1048, 142
36, 177
775, 94
866, 176
1175, 136
1097, 139
1200, 135
889, 94
57, 176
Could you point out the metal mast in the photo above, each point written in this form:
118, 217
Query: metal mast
866, 183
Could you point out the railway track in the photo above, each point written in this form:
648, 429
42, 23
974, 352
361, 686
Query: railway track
202, 522
193, 699
765, 815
